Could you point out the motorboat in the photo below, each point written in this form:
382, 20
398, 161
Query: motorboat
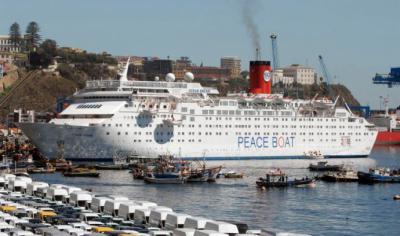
324, 166
379, 175
283, 181
345, 175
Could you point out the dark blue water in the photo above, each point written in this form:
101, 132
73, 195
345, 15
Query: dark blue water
327, 209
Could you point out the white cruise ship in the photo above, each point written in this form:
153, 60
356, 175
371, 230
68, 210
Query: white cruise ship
116, 118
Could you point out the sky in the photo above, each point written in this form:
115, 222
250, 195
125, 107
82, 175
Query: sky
357, 38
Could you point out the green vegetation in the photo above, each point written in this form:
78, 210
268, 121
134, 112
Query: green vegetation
32, 36
15, 34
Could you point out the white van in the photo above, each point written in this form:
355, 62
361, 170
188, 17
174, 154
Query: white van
88, 216
41, 192
80, 199
56, 194
31, 188
127, 210
196, 222
70, 189
142, 216
97, 204
157, 217
222, 227
18, 184
111, 206
175, 220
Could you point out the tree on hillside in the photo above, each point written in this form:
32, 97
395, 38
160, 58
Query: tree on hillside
32, 35
15, 34
44, 55
49, 47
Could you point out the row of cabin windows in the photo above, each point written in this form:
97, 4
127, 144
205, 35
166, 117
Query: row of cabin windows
239, 133
247, 126
171, 140
256, 126
238, 118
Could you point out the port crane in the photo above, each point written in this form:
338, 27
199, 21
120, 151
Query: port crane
275, 57
325, 73
393, 78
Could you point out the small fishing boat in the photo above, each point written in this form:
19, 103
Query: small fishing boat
111, 167
165, 178
229, 174
283, 181
204, 175
379, 175
233, 175
81, 172
345, 175
324, 166
61, 164
396, 197
41, 170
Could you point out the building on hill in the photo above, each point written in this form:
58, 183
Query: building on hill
300, 74
157, 68
7, 46
8, 49
210, 73
233, 64
181, 66
278, 77
31, 116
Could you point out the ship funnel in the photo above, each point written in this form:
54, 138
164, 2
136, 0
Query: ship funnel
260, 77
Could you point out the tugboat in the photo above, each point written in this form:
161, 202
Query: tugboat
345, 175
323, 166
281, 181
379, 175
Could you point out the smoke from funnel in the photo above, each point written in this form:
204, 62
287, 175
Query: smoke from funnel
248, 11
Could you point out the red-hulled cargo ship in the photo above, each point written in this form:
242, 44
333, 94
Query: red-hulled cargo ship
389, 125
388, 138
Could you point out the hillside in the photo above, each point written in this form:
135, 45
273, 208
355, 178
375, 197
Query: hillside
39, 93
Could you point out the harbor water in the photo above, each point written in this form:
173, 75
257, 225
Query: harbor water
327, 209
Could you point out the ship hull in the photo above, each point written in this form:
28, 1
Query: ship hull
388, 138
90, 143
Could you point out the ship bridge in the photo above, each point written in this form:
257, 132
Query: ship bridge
176, 89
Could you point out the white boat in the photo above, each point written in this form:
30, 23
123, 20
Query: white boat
314, 155
184, 119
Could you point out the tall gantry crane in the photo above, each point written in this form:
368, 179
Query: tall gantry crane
393, 78
326, 74
275, 57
